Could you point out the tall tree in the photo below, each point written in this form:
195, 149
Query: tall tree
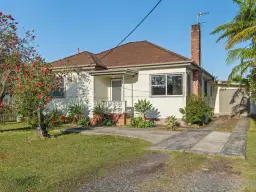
241, 29
24, 74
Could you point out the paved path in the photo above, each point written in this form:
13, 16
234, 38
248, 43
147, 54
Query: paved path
202, 141
148, 135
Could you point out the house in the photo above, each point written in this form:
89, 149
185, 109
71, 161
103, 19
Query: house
136, 70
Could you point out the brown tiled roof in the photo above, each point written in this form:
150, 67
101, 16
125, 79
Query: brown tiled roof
83, 58
140, 52
133, 53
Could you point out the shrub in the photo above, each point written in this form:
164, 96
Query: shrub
196, 110
100, 108
84, 121
75, 112
141, 123
171, 122
54, 118
142, 106
107, 122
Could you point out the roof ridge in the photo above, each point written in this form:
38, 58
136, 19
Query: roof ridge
119, 46
166, 50
83, 52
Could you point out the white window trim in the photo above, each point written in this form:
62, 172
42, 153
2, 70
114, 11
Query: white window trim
166, 74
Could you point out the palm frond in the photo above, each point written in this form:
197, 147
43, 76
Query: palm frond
244, 35
240, 69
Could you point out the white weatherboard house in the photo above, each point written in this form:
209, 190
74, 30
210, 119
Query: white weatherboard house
136, 70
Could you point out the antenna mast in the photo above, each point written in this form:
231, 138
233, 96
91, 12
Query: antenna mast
200, 15
199, 23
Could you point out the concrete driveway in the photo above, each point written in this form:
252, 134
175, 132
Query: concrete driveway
202, 141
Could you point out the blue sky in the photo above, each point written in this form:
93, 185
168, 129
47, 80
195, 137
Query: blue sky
96, 25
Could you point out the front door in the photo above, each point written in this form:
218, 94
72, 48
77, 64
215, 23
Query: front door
116, 85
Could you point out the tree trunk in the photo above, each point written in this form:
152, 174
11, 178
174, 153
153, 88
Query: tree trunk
41, 130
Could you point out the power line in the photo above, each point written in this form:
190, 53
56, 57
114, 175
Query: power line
132, 30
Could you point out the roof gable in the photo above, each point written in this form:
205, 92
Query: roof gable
138, 53
133, 53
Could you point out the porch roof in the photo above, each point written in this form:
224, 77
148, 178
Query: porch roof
113, 72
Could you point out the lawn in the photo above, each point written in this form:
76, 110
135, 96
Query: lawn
61, 164
250, 170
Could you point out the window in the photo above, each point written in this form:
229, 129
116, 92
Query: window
166, 84
188, 83
60, 93
205, 87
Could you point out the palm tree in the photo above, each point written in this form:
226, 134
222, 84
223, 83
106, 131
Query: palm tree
241, 29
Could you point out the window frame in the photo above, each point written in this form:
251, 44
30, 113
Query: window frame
64, 91
166, 74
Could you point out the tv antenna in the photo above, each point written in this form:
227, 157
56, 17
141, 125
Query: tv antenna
200, 15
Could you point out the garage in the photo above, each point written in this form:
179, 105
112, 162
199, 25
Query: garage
231, 100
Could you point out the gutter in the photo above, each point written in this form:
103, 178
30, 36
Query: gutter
202, 69
145, 65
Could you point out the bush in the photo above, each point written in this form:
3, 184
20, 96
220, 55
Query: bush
84, 121
139, 122
75, 112
54, 118
108, 122
171, 122
142, 106
196, 110
100, 108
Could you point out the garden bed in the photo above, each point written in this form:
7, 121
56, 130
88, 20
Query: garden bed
227, 124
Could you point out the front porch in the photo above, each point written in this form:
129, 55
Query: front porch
111, 90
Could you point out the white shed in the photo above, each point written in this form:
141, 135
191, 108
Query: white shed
231, 99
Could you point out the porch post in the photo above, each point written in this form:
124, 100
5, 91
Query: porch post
123, 87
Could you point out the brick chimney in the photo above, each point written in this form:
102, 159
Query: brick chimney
196, 57
196, 43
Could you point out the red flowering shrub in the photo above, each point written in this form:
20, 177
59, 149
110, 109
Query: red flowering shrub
24, 74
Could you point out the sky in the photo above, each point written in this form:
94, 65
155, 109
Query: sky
63, 26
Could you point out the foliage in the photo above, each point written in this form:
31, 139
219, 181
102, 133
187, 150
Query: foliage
14, 52
139, 122
100, 108
196, 110
171, 122
252, 83
107, 122
105, 119
75, 112
142, 106
24, 75
50, 119
241, 29
84, 121
55, 118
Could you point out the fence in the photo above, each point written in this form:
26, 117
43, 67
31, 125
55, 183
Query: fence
9, 114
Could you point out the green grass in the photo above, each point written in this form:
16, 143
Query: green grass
250, 170
9, 126
28, 163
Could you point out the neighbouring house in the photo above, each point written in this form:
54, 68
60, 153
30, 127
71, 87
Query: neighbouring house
132, 71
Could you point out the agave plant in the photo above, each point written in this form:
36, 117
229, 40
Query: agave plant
75, 112
143, 106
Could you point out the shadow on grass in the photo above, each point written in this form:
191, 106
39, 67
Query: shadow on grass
74, 130
16, 129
